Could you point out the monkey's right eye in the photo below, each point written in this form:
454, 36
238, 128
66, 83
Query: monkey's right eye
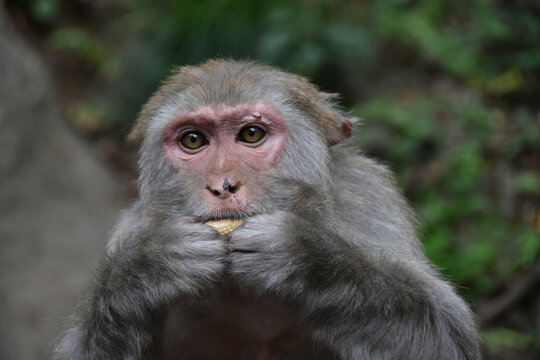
192, 140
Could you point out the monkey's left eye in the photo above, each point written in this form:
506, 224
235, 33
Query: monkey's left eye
251, 134
192, 140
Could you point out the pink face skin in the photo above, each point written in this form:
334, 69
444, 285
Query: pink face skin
230, 171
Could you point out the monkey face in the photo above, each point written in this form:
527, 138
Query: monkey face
221, 141
225, 152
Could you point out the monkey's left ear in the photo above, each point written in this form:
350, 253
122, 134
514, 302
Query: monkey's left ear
336, 133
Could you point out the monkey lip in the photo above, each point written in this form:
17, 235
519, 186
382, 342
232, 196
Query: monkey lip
226, 214
216, 217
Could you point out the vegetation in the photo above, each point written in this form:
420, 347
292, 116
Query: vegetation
447, 91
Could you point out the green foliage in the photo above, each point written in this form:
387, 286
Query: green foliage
301, 36
84, 44
528, 182
529, 242
90, 116
44, 10
496, 339
441, 148
328, 40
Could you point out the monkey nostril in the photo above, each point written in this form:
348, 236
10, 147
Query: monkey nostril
227, 186
214, 192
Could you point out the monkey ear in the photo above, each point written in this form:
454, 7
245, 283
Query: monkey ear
335, 126
137, 133
337, 133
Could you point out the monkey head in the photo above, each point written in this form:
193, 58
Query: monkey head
217, 138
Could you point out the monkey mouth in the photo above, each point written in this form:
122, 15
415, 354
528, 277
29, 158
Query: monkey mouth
226, 214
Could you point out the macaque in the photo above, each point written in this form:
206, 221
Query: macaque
321, 260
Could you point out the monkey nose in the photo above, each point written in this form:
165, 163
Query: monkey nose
224, 190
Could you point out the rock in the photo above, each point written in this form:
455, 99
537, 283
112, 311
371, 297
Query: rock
57, 204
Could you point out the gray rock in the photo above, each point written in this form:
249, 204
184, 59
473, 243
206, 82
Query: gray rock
57, 203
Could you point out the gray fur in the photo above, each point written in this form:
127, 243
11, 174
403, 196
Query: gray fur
327, 266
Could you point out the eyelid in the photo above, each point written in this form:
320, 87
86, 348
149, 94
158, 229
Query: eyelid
263, 127
182, 130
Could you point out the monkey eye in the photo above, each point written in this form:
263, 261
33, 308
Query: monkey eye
192, 140
251, 134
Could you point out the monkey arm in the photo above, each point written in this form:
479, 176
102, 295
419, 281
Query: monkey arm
363, 305
370, 306
134, 284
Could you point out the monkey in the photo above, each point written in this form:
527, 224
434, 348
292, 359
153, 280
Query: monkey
326, 263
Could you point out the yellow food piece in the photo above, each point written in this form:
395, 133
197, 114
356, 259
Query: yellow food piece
225, 226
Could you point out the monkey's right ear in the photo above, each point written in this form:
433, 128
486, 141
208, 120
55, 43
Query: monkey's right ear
137, 133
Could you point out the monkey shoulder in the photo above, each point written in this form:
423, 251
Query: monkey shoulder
369, 206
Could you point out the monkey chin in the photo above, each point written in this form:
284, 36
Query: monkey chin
225, 226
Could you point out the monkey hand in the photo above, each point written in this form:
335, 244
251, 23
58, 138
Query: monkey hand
261, 251
197, 257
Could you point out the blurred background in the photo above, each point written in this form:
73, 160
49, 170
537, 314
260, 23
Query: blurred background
449, 94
